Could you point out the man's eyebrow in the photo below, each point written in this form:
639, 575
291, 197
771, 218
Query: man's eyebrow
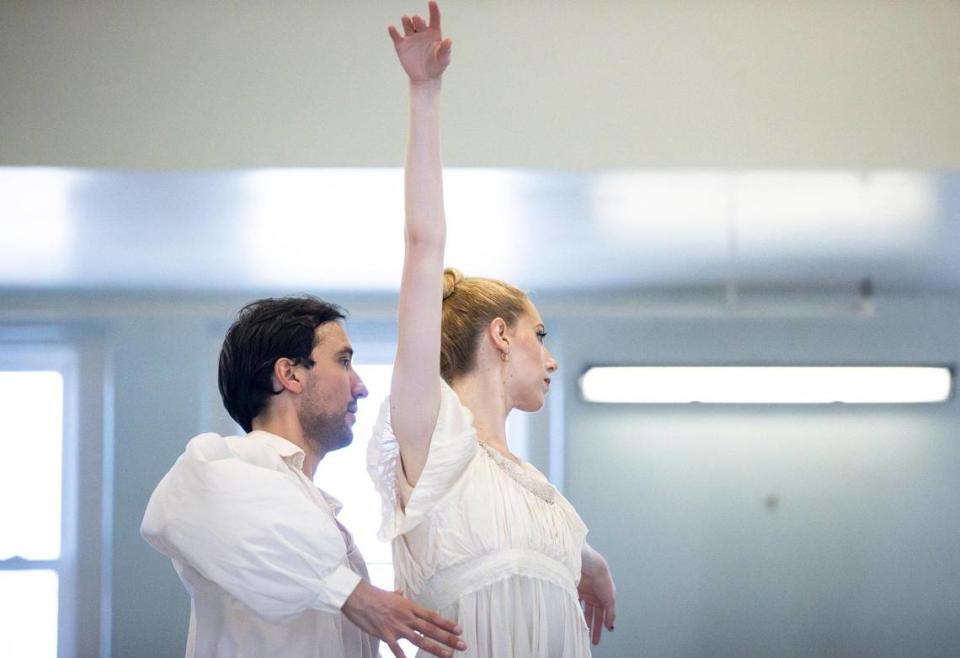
346, 350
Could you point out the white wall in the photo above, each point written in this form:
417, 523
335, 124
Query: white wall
606, 84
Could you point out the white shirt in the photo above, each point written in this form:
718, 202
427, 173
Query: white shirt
259, 549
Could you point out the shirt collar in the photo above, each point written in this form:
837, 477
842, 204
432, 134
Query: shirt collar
294, 456
290, 452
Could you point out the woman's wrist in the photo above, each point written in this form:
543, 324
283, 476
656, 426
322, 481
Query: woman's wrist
592, 562
431, 86
425, 98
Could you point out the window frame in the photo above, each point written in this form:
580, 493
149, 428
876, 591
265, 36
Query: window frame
78, 352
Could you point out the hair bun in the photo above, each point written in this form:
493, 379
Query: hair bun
451, 277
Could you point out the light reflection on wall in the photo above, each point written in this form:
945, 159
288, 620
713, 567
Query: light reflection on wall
663, 206
486, 221
886, 210
782, 210
37, 229
342, 229
310, 227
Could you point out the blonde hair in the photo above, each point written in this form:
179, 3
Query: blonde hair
470, 304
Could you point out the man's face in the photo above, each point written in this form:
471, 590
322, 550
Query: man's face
331, 390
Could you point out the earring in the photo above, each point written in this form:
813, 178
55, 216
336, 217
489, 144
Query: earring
504, 356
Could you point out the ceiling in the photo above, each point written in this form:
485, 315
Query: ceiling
618, 84
341, 229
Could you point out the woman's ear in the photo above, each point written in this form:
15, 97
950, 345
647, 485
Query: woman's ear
498, 332
286, 376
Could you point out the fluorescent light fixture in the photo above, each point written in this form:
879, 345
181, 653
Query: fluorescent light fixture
767, 385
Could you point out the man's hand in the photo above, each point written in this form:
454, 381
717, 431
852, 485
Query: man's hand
390, 616
597, 593
423, 52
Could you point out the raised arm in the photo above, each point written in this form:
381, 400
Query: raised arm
415, 390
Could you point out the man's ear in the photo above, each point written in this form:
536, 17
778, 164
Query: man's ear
286, 376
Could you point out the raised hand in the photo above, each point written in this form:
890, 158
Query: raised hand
390, 616
597, 593
423, 52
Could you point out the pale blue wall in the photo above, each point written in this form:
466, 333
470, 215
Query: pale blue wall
859, 559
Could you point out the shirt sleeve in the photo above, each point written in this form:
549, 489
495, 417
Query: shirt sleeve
452, 447
251, 530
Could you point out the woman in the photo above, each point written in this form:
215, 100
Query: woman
477, 534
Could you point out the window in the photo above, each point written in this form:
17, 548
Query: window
37, 501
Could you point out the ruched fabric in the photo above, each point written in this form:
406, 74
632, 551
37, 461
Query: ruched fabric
484, 540
453, 446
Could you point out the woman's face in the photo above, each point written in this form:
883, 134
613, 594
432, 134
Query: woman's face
531, 365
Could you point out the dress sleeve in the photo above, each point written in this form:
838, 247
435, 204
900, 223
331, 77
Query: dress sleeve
249, 529
452, 446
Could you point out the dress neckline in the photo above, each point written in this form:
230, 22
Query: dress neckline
523, 474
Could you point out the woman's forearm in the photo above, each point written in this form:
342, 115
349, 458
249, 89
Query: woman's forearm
423, 182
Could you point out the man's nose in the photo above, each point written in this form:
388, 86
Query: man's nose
360, 389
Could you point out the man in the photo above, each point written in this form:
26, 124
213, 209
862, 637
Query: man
269, 569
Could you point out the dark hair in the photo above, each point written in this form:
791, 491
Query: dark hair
264, 331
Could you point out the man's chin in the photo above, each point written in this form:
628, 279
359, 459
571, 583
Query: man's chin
331, 432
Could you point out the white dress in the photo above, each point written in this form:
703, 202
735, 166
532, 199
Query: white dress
487, 542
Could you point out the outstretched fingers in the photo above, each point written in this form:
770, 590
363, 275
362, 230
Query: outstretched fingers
434, 15
423, 52
394, 35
